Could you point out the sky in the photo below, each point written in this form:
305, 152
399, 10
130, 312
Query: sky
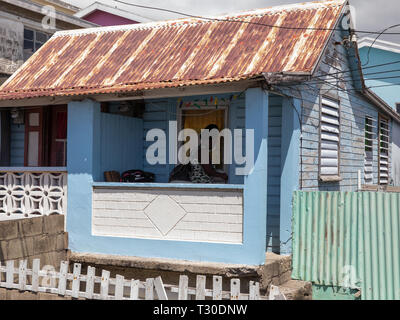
371, 15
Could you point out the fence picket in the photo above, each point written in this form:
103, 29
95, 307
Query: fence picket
200, 287
217, 288
134, 289
235, 289
91, 272
23, 264
160, 290
35, 274
76, 281
252, 290
183, 288
149, 289
62, 282
150, 286
10, 274
119, 287
105, 279
257, 291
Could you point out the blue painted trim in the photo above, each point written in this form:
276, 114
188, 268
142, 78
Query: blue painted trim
168, 185
256, 183
290, 164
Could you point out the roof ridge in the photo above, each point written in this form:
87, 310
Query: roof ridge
196, 21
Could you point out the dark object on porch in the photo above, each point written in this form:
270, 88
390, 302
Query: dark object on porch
112, 176
135, 176
180, 173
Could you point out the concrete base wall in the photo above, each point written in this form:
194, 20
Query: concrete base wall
10, 294
41, 238
276, 270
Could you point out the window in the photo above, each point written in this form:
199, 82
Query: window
46, 137
370, 126
33, 40
329, 140
384, 139
398, 107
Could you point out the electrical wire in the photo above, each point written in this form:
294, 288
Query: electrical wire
250, 22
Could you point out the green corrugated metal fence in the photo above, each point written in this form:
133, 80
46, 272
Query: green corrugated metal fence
348, 239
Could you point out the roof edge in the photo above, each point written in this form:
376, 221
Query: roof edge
378, 101
379, 44
113, 10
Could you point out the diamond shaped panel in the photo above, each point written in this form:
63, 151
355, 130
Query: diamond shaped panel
164, 213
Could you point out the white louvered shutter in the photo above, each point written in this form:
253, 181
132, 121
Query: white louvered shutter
370, 127
384, 134
329, 139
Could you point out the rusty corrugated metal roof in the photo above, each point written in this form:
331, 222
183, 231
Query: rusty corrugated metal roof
177, 53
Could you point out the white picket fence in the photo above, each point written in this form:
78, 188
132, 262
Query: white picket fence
68, 284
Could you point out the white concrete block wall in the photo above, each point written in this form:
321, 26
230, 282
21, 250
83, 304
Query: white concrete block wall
169, 214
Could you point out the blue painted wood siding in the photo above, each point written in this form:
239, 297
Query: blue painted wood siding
121, 143
274, 172
354, 108
17, 145
157, 115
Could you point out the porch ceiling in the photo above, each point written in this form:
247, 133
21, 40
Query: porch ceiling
177, 53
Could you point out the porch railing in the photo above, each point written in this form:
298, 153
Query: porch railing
31, 192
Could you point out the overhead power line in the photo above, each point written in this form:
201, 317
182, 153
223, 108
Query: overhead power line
249, 22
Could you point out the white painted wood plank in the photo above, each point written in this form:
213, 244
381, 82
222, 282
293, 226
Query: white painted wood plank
90, 279
10, 274
119, 287
76, 280
217, 288
35, 274
104, 285
160, 290
200, 287
62, 282
149, 289
134, 289
183, 287
235, 289
22, 274
257, 291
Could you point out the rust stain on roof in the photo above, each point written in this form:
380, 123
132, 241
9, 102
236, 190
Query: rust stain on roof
177, 53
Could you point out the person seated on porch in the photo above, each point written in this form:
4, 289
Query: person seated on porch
197, 172
215, 175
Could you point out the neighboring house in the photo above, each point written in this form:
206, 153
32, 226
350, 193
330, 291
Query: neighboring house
384, 80
85, 103
105, 15
22, 31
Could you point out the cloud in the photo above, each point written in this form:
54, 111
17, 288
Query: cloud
368, 15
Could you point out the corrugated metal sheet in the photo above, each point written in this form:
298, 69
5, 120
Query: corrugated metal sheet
177, 53
348, 239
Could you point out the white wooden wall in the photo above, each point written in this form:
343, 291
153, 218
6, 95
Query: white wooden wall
170, 214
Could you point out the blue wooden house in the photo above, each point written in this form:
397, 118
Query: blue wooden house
87, 101
381, 60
